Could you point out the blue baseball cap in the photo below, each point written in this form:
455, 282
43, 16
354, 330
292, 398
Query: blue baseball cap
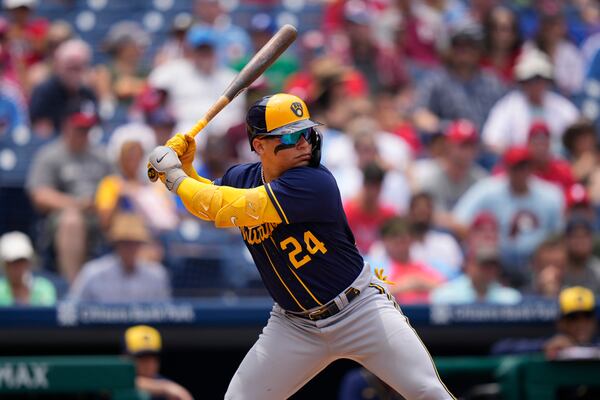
201, 36
262, 22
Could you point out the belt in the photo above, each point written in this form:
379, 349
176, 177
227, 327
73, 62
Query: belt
329, 309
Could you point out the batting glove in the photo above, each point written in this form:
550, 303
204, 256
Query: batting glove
165, 162
184, 146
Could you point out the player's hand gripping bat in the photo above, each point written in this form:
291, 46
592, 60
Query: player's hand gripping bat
255, 67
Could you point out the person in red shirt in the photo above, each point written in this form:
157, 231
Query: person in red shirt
366, 213
412, 281
545, 165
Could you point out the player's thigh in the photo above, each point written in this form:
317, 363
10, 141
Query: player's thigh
282, 360
400, 357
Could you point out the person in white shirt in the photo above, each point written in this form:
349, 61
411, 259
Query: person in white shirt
194, 83
510, 118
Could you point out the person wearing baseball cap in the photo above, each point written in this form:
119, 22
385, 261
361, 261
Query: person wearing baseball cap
583, 265
62, 182
510, 119
123, 275
576, 324
545, 164
19, 286
527, 209
143, 344
456, 170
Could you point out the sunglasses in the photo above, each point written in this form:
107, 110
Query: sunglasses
294, 137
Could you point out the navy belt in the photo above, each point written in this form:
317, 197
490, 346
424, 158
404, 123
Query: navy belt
329, 309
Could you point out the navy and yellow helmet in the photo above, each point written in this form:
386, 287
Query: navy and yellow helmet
280, 114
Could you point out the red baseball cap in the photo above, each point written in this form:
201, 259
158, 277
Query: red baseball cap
577, 195
484, 218
538, 128
462, 131
82, 114
516, 155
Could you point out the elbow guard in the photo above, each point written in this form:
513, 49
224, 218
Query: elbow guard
228, 206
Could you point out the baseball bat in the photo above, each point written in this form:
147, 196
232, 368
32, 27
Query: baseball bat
257, 65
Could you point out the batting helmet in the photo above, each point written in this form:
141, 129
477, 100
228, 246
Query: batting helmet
281, 114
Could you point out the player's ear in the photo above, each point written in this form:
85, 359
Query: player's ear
258, 146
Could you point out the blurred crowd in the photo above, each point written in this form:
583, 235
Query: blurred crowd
463, 135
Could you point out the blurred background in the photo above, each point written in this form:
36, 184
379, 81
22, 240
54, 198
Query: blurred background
463, 135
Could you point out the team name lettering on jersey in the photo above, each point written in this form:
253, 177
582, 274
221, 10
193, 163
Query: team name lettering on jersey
257, 234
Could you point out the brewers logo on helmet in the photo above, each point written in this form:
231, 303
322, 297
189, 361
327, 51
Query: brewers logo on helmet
282, 114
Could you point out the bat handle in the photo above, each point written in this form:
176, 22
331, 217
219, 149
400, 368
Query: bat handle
198, 127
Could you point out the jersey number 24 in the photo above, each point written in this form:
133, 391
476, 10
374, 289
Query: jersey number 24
297, 255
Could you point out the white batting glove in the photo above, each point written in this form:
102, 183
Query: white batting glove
165, 162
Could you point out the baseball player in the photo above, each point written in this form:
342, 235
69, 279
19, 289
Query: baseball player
328, 304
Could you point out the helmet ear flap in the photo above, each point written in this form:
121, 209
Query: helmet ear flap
316, 141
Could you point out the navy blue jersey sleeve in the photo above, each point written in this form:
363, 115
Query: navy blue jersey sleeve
306, 194
240, 176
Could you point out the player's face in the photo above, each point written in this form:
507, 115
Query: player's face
282, 153
580, 326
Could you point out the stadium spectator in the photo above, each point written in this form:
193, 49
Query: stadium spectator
214, 158
129, 190
232, 41
357, 45
583, 267
431, 246
174, 46
184, 79
575, 331
568, 63
502, 42
19, 286
26, 36
581, 145
511, 117
546, 165
548, 268
479, 283
122, 275
483, 232
370, 144
461, 89
262, 27
58, 33
143, 344
123, 77
576, 326
366, 212
455, 171
526, 208
578, 203
51, 99
62, 181
417, 29
412, 280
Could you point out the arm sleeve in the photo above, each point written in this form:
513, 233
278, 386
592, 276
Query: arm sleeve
227, 206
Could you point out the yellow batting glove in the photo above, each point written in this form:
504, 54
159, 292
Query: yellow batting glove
184, 146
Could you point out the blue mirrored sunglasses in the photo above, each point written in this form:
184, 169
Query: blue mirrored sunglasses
294, 137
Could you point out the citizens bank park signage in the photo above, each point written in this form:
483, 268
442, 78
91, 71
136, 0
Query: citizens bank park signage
70, 314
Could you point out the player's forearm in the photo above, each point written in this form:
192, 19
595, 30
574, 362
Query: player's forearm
227, 206
191, 172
